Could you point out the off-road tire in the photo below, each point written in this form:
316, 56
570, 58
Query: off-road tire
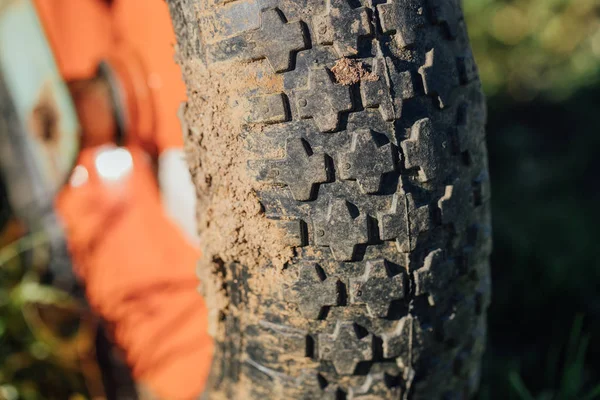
381, 187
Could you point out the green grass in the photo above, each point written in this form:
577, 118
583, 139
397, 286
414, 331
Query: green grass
571, 382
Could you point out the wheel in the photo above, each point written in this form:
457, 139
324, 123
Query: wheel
338, 150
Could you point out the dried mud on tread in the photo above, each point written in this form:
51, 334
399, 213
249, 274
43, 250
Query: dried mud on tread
231, 222
348, 72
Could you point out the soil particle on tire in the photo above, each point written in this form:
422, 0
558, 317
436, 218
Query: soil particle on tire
348, 72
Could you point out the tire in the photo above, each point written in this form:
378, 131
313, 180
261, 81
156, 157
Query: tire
339, 154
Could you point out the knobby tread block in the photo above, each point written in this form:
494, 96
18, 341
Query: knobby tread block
301, 170
337, 228
376, 93
312, 302
346, 347
425, 150
376, 288
276, 41
440, 75
404, 221
434, 277
403, 18
367, 161
323, 99
380, 186
342, 26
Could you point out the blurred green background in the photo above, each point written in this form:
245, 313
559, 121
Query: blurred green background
539, 61
540, 64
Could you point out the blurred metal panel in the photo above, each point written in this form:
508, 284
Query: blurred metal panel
39, 130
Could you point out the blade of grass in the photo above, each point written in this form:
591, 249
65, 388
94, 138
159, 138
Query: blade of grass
573, 343
574, 355
519, 387
20, 246
552, 365
593, 394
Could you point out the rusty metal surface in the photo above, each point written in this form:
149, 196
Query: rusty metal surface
39, 132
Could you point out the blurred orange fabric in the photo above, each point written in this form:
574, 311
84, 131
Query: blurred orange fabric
137, 267
137, 33
139, 276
